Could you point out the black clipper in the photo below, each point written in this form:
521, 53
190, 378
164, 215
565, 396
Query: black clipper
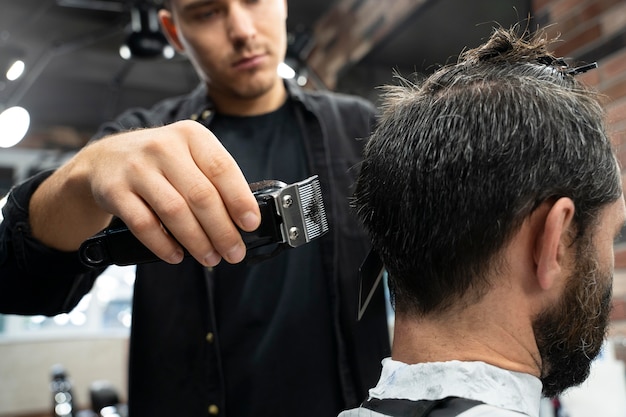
291, 216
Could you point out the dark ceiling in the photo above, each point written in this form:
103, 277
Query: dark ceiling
76, 79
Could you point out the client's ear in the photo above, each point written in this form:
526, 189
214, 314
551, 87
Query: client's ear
553, 242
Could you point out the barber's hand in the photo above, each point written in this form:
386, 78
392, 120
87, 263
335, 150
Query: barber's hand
178, 176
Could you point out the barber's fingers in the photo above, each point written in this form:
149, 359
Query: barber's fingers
216, 196
193, 212
224, 176
147, 227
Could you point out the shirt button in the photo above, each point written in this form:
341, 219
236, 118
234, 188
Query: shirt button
214, 410
210, 337
206, 114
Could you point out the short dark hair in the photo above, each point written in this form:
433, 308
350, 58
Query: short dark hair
459, 160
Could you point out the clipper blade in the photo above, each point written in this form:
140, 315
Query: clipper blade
314, 214
302, 210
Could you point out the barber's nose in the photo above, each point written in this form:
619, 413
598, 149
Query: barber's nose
241, 24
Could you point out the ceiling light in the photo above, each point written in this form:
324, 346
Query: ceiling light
14, 123
285, 71
168, 52
125, 52
302, 80
16, 70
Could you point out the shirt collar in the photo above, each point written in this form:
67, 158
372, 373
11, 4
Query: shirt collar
472, 380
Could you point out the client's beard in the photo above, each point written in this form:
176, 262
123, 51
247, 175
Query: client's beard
570, 334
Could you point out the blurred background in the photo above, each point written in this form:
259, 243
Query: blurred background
66, 66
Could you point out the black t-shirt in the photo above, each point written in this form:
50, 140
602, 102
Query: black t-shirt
262, 308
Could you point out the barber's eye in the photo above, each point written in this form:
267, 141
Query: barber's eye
206, 14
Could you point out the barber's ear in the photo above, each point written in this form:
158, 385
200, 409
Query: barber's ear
553, 241
169, 30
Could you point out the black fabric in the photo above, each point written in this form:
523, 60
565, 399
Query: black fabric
396, 407
266, 147
24, 289
173, 370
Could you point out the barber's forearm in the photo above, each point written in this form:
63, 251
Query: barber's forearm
62, 211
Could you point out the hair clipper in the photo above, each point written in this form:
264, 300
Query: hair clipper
291, 216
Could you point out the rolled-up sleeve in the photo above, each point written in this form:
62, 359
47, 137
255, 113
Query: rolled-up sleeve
34, 278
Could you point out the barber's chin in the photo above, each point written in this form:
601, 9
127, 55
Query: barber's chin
257, 86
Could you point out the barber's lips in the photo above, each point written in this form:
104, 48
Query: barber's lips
249, 62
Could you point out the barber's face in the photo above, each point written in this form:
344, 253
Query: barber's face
570, 334
235, 45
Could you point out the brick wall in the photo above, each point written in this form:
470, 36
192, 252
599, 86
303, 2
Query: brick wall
595, 30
